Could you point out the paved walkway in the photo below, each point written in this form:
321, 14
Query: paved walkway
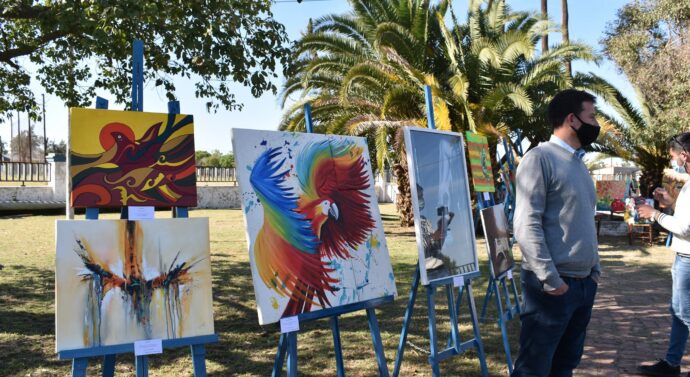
630, 322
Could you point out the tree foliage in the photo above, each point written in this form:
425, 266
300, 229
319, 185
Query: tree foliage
78, 47
215, 159
649, 42
20, 150
364, 74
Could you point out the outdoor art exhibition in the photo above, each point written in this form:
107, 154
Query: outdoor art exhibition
345, 187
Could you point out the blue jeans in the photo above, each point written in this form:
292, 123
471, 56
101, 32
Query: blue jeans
552, 336
680, 310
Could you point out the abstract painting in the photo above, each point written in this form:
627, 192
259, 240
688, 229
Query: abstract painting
315, 235
119, 281
441, 202
125, 158
497, 239
607, 191
480, 162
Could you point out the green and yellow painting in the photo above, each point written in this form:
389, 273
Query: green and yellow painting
480, 162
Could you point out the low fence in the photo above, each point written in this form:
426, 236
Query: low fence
211, 174
12, 171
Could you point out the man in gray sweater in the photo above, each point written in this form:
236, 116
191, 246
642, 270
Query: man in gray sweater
554, 226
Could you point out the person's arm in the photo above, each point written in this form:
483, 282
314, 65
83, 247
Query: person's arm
530, 204
596, 272
678, 224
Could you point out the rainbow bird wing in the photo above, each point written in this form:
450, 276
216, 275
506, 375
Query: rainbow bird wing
286, 249
336, 170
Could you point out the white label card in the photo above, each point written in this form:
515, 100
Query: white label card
148, 347
487, 196
140, 213
458, 281
289, 324
509, 275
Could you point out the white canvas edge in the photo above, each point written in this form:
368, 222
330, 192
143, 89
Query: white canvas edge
415, 202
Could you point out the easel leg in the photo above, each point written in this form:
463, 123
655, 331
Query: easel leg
516, 296
454, 331
502, 319
142, 364
335, 327
378, 344
79, 366
199, 360
406, 322
475, 326
280, 356
487, 298
292, 354
108, 366
506, 294
435, 369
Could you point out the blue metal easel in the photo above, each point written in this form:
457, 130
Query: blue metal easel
287, 344
498, 284
455, 346
197, 344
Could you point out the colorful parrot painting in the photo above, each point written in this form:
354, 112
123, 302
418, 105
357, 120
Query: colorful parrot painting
156, 168
325, 215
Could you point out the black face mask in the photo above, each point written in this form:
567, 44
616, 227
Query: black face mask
587, 133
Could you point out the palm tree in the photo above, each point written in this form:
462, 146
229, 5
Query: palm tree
566, 34
545, 16
363, 73
631, 134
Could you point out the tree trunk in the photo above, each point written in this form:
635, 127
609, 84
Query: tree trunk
566, 36
545, 37
403, 200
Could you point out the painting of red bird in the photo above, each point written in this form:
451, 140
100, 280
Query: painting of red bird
315, 233
120, 158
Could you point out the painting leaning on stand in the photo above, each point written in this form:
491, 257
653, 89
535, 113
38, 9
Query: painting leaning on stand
679, 225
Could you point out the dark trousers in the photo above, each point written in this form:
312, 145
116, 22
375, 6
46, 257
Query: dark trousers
553, 330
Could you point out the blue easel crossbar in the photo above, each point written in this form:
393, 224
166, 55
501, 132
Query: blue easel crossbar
129, 347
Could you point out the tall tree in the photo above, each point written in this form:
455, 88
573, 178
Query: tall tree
545, 16
78, 47
20, 150
650, 43
364, 72
566, 35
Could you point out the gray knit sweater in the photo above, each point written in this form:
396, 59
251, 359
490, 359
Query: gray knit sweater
554, 216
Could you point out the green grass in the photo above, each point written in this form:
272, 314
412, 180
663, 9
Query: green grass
245, 348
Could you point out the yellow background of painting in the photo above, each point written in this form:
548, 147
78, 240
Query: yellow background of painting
86, 125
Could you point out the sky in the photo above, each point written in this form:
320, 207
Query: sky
588, 19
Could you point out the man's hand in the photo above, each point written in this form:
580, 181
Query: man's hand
645, 211
663, 197
559, 291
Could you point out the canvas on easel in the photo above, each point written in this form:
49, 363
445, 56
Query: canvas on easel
119, 281
315, 235
131, 158
441, 202
480, 162
498, 245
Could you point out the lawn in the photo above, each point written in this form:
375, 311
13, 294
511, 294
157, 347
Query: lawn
245, 348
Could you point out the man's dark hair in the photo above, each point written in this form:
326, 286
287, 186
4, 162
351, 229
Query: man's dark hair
566, 102
680, 142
